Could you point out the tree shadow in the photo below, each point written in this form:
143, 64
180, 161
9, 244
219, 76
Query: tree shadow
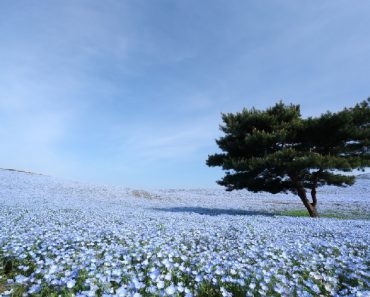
215, 211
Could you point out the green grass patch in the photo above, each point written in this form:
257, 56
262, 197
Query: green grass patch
333, 215
294, 213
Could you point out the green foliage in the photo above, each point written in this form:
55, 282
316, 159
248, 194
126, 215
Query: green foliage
276, 150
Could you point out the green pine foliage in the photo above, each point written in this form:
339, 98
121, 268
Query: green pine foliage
276, 150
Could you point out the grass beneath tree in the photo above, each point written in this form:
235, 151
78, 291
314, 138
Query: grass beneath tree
332, 215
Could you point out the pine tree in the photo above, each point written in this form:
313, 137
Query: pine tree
276, 150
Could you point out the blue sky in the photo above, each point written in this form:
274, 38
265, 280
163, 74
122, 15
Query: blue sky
130, 92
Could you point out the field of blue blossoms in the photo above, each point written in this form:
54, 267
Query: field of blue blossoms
62, 238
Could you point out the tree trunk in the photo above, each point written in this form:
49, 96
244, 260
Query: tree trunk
311, 207
313, 211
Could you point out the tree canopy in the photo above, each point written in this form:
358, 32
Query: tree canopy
276, 150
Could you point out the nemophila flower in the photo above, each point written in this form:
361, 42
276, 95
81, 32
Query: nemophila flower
121, 291
20, 279
180, 288
137, 284
34, 289
116, 272
170, 290
55, 282
23, 267
154, 274
71, 283
225, 293
53, 268
168, 276
160, 284
198, 278
151, 289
